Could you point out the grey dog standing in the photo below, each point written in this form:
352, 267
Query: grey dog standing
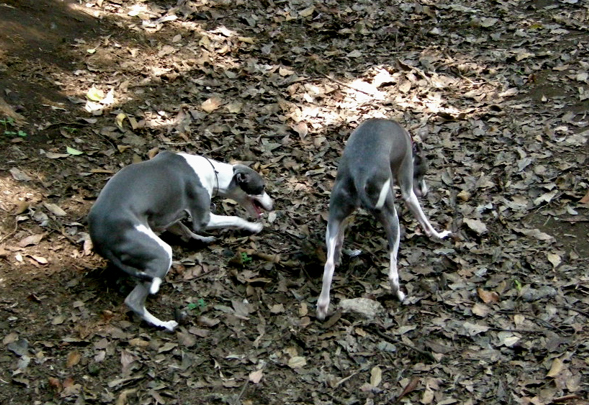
157, 195
378, 152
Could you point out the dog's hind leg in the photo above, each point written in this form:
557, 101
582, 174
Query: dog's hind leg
186, 234
156, 258
339, 210
389, 219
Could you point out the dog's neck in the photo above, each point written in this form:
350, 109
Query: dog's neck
216, 177
222, 178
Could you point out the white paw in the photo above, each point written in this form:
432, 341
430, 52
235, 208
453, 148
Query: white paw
442, 235
170, 325
400, 296
321, 313
207, 239
256, 227
352, 253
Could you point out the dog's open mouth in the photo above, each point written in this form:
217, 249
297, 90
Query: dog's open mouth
259, 204
257, 207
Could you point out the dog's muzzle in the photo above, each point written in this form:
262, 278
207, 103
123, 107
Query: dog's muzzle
258, 204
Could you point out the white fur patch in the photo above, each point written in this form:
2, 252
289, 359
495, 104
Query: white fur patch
203, 169
382, 197
143, 229
155, 285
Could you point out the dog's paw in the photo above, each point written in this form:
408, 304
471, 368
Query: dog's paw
400, 296
169, 326
256, 227
207, 239
321, 313
442, 235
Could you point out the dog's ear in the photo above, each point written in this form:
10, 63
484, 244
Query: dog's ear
417, 149
241, 175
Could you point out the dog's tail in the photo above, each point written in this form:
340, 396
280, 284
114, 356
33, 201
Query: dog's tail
132, 271
373, 194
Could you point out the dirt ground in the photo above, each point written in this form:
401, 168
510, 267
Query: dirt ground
497, 91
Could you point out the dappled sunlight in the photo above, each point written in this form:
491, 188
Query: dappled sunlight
495, 93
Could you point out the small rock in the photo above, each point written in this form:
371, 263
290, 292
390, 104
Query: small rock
364, 307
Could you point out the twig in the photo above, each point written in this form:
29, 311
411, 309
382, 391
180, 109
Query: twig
571, 308
10, 233
575, 220
345, 85
242, 390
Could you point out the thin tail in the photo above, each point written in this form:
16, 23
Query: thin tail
373, 195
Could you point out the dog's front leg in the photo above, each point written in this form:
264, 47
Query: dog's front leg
222, 221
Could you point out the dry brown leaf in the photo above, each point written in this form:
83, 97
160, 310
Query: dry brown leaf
409, 388
211, 104
31, 240
554, 259
301, 129
556, 368
488, 296
480, 310
73, 358
585, 199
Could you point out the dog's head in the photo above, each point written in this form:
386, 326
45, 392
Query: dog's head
250, 191
419, 170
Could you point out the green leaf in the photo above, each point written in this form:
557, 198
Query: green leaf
73, 151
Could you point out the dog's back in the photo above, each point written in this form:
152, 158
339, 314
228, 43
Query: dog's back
373, 154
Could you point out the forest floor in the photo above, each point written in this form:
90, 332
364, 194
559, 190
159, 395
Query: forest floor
498, 92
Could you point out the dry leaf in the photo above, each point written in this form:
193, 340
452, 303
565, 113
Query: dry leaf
31, 240
488, 296
211, 104
301, 129
585, 199
554, 259
256, 376
307, 12
476, 225
375, 376
297, 362
480, 310
73, 358
119, 119
53, 155
234, 107
55, 209
39, 259
556, 368
19, 175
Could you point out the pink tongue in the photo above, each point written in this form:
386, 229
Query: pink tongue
258, 210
